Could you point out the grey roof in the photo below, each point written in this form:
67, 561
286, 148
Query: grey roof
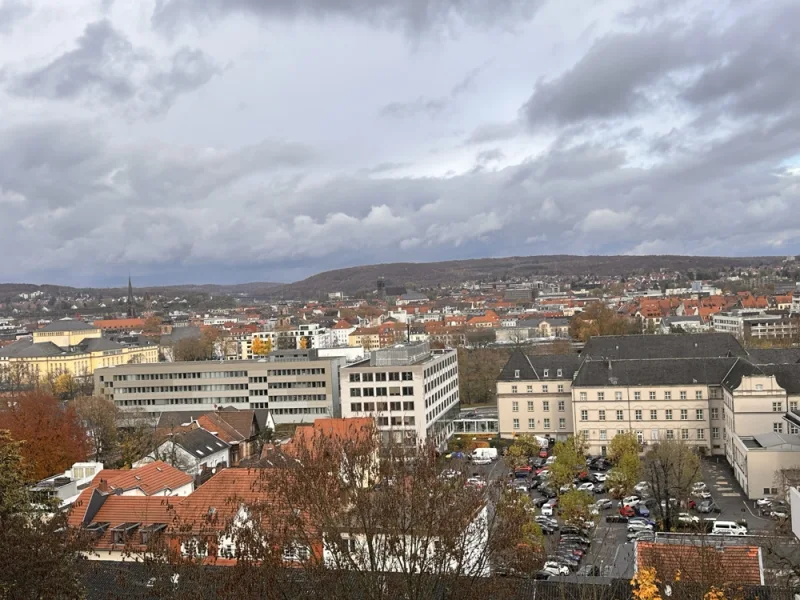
179, 417
778, 441
67, 325
787, 376
653, 372
631, 347
199, 442
25, 348
99, 344
741, 368
774, 356
556, 321
533, 366
413, 296
181, 333
683, 319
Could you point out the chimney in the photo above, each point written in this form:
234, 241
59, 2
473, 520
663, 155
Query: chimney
103, 486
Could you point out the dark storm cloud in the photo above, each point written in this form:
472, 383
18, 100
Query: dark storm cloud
414, 16
103, 67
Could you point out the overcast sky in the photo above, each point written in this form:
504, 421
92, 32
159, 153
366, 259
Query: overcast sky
257, 140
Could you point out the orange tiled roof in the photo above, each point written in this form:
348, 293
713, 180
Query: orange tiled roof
119, 323
701, 564
151, 478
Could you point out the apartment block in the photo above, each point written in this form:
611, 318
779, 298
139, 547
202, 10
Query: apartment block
410, 390
303, 337
297, 386
756, 324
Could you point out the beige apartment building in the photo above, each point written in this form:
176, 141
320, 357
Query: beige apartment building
295, 385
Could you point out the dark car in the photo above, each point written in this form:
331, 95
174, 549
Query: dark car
540, 501
708, 506
546, 529
541, 575
600, 488
588, 571
534, 484
568, 558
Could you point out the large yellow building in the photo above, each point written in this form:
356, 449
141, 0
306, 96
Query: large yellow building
70, 346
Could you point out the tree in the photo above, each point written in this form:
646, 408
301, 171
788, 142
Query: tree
152, 326
521, 450
53, 438
671, 467
99, 417
262, 347
481, 337
574, 506
39, 557
598, 319
478, 371
196, 348
569, 461
65, 386
623, 451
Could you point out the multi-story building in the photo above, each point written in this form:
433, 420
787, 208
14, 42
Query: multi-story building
70, 346
756, 323
796, 301
411, 391
295, 385
534, 395
302, 337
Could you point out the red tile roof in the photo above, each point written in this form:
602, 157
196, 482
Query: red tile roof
119, 323
152, 478
707, 564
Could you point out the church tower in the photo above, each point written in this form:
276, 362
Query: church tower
131, 303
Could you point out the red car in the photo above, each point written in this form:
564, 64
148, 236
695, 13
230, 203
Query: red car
543, 454
627, 511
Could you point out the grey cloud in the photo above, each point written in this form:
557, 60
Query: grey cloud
413, 16
103, 68
487, 156
495, 132
610, 80
11, 12
384, 167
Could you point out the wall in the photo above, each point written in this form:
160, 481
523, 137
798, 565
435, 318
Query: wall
794, 503
506, 396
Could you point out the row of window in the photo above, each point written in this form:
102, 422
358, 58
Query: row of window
562, 406
440, 407
198, 375
545, 389
381, 391
545, 373
168, 389
449, 361
391, 376
288, 385
300, 411
175, 401
778, 428
652, 395
562, 424
440, 379
638, 414
380, 406
441, 393
300, 398
289, 372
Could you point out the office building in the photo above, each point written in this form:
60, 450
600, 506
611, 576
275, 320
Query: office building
410, 390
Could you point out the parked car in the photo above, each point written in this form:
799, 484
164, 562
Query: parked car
546, 529
554, 568
779, 513
543, 574
549, 508
600, 488
604, 504
708, 506
588, 571
764, 502
631, 501
598, 477
565, 488
686, 518
476, 482
644, 535
586, 487
627, 511
641, 520
728, 528
640, 487
639, 526
642, 511
699, 487
550, 522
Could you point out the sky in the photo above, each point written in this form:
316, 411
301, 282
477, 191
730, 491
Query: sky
267, 140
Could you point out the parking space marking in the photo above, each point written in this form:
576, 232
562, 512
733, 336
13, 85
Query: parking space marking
732, 495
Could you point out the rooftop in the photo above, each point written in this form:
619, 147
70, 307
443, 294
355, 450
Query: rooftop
631, 347
67, 325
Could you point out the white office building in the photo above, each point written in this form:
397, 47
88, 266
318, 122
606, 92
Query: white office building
411, 390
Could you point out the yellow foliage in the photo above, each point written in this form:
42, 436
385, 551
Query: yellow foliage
714, 594
645, 585
64, 384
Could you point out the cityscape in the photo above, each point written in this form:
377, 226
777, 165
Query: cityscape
399, 300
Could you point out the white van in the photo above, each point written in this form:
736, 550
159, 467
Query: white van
727, 528
484, 453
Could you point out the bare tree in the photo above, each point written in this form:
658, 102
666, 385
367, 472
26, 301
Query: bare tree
99, 417
671, 467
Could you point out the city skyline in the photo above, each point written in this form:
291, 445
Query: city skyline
263, 141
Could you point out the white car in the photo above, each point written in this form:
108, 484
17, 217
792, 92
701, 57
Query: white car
548, 510
565, 488
586, 487
764, 502
639, 526
632, 501
555, 568
475, 482
599, 477
482, 460
640, 487
700, 486
704, 495
687, 518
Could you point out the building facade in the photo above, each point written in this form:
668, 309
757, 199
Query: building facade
296, 386
411, 391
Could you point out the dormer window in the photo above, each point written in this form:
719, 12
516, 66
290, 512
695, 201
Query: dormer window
546, 373
516, 374
559, 373
120, 533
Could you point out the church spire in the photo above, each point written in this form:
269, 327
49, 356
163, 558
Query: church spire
131, 305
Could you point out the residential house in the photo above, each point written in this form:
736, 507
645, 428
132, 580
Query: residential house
67, 486
238, 428
152, 479
193, 451
489, 319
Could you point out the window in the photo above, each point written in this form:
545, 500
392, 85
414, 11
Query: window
683, 394
670, 434
601, 396
715, 433
620, 432
530, 405
395, 406
637, 414
408, 406
355, 392
585, 434
559, 373
394, 376
617, 395
547, 423
546, 373
546, 405
561, 389
601, 415
668, 414
529, 389
652, 395
714, 413
701, 434
380, 376
654, 434
637, 395
383, 406
653, 415
793, 405
759, 387
408, 376
777, 407
562, 423
515, 424
793, 429
355, 377
513, 389
367, 377
620, 415
380, 391
355, 407
295, 553
531, 423
603, 434
698, 415
516, 374
369, 407
584, 415
515, 406
684, 414
667, 395
408, 391
561, 406
544, 389
698, 395
684, 434
583, 396
777, 427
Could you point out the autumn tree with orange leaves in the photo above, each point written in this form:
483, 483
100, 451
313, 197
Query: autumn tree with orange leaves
52, 436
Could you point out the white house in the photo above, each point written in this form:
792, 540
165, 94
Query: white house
191, 451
